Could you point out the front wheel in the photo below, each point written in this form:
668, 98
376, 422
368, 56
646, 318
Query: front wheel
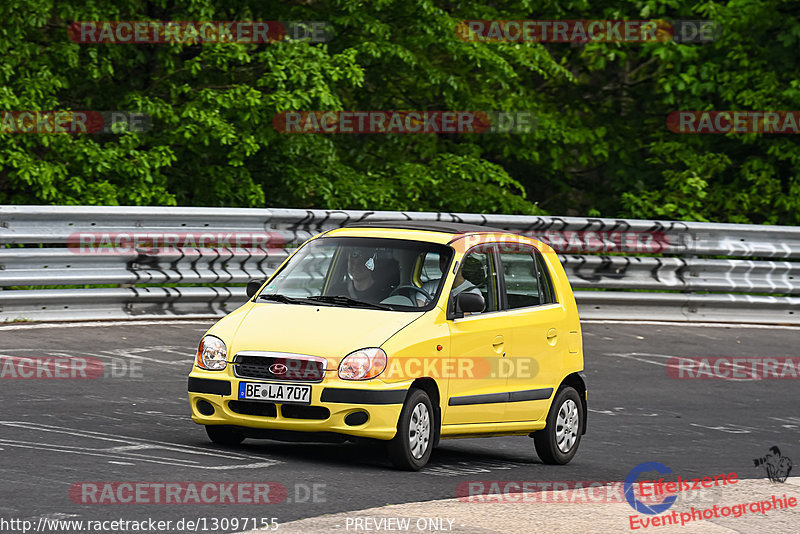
411, 447
224, 435
558, 442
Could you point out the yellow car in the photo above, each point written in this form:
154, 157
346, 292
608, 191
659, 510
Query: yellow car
405, 332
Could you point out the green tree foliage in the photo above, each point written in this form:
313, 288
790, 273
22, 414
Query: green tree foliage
641, 169
600, 146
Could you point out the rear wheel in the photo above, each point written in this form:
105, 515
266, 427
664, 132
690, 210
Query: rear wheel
224, 435
558, 442
411, 447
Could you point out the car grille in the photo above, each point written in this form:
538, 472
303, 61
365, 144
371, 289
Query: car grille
270, 409
263, 409
279, 366
295, 411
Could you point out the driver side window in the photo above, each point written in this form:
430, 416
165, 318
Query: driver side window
476, 274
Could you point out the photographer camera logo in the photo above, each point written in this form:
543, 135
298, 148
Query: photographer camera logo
778, 467
630, 494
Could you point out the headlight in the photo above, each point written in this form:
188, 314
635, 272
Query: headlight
362, 364
211, 354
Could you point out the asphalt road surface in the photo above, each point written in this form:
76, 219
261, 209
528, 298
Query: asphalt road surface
56, 434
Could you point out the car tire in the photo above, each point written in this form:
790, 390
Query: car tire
558, 442
411, 447
224, 435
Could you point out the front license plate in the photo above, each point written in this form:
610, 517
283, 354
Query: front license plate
267, 391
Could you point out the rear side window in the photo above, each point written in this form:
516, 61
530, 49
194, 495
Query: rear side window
527, 281
521, 280
546, 292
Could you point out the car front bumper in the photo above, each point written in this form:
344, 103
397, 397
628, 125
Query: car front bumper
214, 401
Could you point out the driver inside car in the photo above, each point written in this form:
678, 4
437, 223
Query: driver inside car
369, 277
460, 284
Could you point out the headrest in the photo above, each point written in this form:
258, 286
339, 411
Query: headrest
473, 271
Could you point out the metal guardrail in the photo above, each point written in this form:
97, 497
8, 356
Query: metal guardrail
656, 270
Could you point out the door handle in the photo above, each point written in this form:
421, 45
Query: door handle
497, 345
552, 336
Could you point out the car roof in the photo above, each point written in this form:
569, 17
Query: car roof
429, 226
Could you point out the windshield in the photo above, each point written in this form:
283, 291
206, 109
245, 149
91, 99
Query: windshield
362, 272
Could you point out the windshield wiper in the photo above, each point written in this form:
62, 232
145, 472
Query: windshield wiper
347, 301
277, 297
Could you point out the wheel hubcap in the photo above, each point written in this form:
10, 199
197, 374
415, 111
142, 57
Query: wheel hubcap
419, 430
567, 426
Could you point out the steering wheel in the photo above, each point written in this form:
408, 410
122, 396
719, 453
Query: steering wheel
398, 289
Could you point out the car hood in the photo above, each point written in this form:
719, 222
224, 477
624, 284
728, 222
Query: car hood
328, 331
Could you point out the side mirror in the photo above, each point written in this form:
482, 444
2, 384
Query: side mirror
469, 303
253, 286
